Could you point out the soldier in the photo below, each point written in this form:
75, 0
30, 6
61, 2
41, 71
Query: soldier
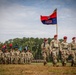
64, 51
45, 50
12, 57
22, 57
29, 57
7, 57
1, 53
54, 47
16, 60
73, 51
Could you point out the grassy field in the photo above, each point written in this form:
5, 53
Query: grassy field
36, 69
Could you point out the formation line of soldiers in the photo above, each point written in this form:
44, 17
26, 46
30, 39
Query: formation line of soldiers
15, 57
57, 49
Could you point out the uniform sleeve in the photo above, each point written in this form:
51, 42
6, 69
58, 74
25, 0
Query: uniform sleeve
41, 46
69, 46
51, 45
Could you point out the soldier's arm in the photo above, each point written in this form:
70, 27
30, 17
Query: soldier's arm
69, 46
51, 45
42, 47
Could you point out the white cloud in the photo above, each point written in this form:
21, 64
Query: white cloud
24, 21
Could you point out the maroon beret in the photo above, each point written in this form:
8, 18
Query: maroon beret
73, 38
55, 35
65, 37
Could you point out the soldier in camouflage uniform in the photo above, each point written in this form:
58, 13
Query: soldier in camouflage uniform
22, 57
1, 53
12, 56
73, 51
16, 60
55, 47
64, 51
29, 57
7, 57
45, 50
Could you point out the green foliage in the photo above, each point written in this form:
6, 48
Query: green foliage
34, 44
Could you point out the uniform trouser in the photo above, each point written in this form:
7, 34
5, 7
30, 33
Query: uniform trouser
22, 60
55, 54
6, 60
73, 57
12, 59
0, 60
28, 59
16, 60
45, 55
64, 56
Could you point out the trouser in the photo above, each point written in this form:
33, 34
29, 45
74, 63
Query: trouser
45, 55
64, 56
72, 57
12, 59
16, 60
22, 60
55, 54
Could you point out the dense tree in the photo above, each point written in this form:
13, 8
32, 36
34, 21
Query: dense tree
34, 44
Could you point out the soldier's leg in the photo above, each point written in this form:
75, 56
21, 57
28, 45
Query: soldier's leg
54, 58
44, 58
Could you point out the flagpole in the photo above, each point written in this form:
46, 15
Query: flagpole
56, 29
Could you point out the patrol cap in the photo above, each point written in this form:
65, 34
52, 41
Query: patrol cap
45, 39
55, 35
65, 37
73, 38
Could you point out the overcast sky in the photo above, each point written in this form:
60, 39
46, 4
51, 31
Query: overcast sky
21, 18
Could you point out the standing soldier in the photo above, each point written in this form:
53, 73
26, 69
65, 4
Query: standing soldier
54, 47
6, 57
73, 51
29, 57
22, 57
64, 51
12, 56
17, 52
45, 50
1, 53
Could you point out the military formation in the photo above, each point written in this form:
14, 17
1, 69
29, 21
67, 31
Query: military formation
59, 51
55, 50
15, 57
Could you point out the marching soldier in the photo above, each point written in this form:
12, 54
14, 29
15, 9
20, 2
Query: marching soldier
54, 47
64, 51
12, 57
73, 51
45, 50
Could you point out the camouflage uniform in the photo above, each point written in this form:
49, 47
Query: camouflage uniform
16, 60
12, 57
64, 51
45, 50
1, 53
29, 57
73, 51
6, 57
55, 47
22, 57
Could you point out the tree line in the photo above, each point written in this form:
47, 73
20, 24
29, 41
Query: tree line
33, 44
